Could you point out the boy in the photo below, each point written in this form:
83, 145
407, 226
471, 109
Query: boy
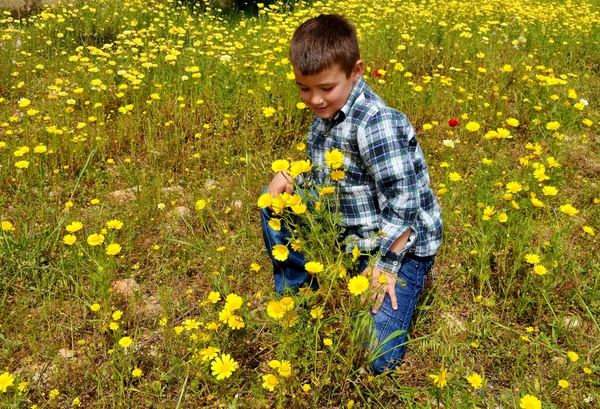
387, 206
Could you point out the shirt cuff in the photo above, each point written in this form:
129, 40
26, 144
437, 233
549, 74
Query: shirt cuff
390, 262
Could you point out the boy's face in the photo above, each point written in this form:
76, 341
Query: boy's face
326, 92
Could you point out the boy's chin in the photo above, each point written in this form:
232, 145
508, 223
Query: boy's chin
325, 114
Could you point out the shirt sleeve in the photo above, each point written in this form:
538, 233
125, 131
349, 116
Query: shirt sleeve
387, 148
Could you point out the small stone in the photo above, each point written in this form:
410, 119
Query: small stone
125, 287
172, 189
238, 204
125, 195
180, 211
66, 353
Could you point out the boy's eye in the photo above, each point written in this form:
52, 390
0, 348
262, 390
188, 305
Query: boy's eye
303, 89
327, 89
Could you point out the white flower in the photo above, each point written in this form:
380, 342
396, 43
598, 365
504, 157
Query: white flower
225, 58
448, 143
584, 101
161, 206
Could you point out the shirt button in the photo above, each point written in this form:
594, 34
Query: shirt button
395, 263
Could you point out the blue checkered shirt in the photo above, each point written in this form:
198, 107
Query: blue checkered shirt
386, 188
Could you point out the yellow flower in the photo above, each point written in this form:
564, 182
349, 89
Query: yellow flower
473, 126
280, 165
233, 302
532, 258
275, 224
95, 239
540, 269
275, 309
214, 297
268, 111
589, 230
299, 208
313, 267
338, 175
6, 380
334, 159
301, 105
280, 252
236, 322
40, 149
137, 373
573, 356
513, 187
503, 218
74, 227
530, 402
22, 164
69, 239
114, 224
563, 383
265, 200
95, 307
125, 342
270, 382
113, 326
512, 122
355, 253
113, 249
200, 204
209, 353
7, 226
552, 126
358, 284
475, 380
223, 367
440, 380
537, 202
326, 190
306, 387
24, 103
549, 191
316, 312
569, 210
285, 369
287, 303
327, 342
455, 177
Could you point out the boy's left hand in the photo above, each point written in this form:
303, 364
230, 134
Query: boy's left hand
383, 283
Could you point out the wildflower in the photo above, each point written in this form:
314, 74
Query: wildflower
537, 202
190, 324
358, 284
114, 224
275, 309
299, 208
7, 226
125, 342
200, 204
223, 367
280, 252
74, 227
512, 122
488, 212
532, 258
113, 326
113, 249
552, 126
233, 302
589, 230
6, 380
514, 187
40, 149
569, 210
268, 111
455, 177
207, 354
275, 224
563, 383
301, 105
117, 315
530, 402
287, 303
270, 382
475, 380
280, 165
453, 122
22, 164
448, 143
573, 356
316, 312
473, 126
137, 373
334, 159
502, 217
549, 191
327, 342
214, 297
326, 190
285, 369
338, 174
540, 270
236, 322
440, 380
95, 239
306, 387
265, 200
313, 267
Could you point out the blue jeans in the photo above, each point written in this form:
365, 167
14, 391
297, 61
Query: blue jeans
291, 275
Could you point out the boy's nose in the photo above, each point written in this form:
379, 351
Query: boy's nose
316, 100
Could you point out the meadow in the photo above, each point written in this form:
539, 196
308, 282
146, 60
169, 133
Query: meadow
136, 138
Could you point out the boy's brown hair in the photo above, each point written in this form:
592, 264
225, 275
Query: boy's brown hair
322, 42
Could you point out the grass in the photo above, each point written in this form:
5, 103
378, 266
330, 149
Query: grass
156, 115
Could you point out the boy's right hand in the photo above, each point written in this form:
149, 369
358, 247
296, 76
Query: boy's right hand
282, 182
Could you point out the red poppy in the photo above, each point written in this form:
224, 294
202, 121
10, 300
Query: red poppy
453, 122
377, 73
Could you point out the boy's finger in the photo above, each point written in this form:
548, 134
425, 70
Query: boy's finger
392, 293
378, 303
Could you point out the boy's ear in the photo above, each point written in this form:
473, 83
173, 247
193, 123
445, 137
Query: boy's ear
358, 70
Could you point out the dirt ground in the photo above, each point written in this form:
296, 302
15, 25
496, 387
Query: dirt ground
22, 4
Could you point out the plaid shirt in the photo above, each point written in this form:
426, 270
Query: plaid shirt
386, 188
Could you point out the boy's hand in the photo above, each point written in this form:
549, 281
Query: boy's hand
382, 283
282, 182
